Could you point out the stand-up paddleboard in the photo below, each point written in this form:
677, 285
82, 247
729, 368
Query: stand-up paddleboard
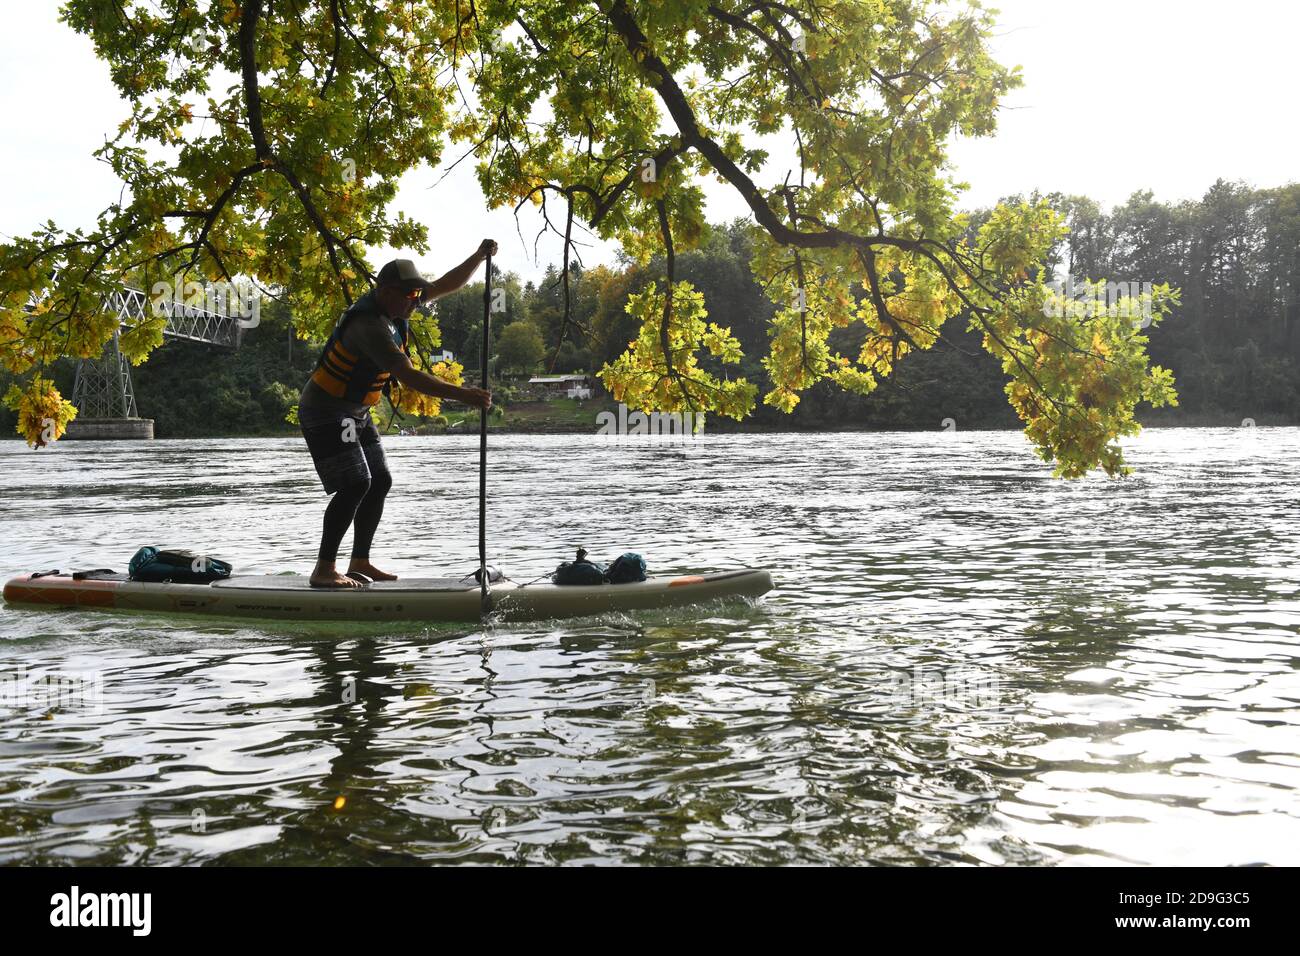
291, 597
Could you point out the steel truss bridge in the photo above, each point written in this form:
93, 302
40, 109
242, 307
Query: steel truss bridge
103, 394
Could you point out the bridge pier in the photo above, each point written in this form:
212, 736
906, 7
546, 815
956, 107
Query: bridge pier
106, 429
105, 399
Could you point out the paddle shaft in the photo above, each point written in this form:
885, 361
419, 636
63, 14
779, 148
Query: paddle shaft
482, 444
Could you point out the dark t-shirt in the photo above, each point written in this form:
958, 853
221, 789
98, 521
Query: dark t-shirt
369, 333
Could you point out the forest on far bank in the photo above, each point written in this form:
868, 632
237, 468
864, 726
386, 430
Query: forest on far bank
1233, 344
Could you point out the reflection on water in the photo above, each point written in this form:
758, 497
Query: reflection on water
965, 660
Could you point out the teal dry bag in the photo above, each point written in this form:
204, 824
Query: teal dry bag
180, 567
626, 569
579, 571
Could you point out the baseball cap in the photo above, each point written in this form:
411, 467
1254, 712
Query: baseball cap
402, 272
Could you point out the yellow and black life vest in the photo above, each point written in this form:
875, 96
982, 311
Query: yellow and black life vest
346, 375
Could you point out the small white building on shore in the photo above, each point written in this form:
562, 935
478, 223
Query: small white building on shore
570, 386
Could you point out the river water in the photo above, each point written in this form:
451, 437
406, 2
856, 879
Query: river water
965, 660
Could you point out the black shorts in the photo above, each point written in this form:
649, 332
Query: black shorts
347, 453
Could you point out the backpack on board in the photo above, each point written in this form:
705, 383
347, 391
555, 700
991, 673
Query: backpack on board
625, 569
180, 567
579, 571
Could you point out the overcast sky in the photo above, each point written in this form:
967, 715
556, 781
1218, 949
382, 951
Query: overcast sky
1119, 95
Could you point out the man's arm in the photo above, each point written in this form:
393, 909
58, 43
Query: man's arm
412, 377
458, 276
372, 335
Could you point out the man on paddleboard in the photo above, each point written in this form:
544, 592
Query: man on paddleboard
367, 348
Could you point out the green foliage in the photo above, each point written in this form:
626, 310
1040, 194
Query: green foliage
520, 348
1235, 347
661, 369
572, 359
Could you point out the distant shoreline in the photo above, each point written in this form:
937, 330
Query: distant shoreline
592, 430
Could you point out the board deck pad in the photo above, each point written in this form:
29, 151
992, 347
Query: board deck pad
300, 582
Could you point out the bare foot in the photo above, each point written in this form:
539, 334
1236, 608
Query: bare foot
329, 577
370, 571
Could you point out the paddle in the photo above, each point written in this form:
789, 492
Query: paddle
485, 598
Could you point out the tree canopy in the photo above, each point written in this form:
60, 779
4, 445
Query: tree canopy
612, 112
519, 348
